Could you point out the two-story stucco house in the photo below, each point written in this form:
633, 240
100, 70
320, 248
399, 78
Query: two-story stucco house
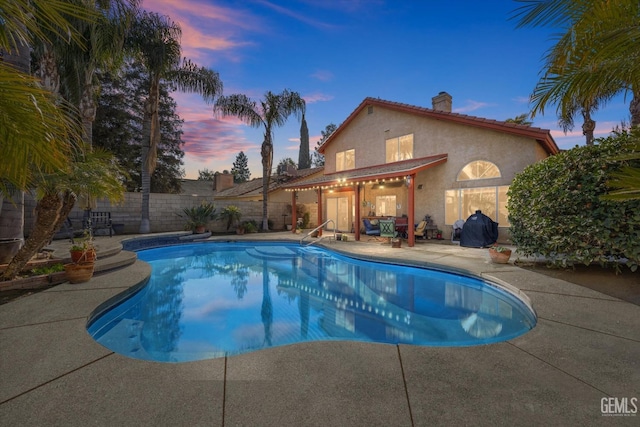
392, 160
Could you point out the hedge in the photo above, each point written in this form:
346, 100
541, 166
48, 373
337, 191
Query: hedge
556, 210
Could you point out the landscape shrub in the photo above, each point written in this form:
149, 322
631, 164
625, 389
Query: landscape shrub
556, 208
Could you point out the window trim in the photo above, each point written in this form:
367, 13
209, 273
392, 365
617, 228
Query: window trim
459, 191
397, 150
476, 179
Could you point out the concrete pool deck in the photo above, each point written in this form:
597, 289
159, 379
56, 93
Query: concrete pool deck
585, 347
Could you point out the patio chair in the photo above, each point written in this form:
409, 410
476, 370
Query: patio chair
387, 228
421, 230
370, 229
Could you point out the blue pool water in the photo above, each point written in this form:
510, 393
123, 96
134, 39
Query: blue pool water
210, 300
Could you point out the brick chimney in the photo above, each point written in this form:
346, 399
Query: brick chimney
442, 102
223, 181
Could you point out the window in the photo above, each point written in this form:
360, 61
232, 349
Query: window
480, 169
400, 148
386, 205
463, 202
346, 160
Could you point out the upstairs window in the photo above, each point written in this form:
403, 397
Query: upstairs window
479, 169
400, 148
346, 160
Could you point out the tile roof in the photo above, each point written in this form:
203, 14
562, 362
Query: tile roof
253, 187
371, 173
543, 136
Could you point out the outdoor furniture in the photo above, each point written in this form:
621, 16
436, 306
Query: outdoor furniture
402, 227
387, 228
370, 229
424, 227
97, 221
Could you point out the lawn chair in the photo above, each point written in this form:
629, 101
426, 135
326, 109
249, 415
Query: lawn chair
421, 230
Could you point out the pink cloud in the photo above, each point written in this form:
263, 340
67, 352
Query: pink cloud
317, 97
222, 28
323, 75
214, 141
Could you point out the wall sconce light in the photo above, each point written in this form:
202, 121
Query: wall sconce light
407, 180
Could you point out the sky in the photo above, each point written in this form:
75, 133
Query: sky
336, 53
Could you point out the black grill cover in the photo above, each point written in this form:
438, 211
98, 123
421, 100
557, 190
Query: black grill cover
479, 231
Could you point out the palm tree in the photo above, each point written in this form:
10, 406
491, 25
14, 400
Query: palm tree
104, 40
37, 129
522, 119
93, 173
43, 144
272, 111
595, 59
155, 41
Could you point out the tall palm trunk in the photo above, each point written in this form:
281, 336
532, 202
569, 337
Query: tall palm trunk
634, 107
150, 137
267, 161
47, 212
588, 126
145, 226
87, 108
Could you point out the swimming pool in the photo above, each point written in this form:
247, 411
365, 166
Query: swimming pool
209, 300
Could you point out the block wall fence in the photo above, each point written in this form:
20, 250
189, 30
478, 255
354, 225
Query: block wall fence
165, 210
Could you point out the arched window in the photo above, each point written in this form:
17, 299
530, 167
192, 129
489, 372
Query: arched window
479, 169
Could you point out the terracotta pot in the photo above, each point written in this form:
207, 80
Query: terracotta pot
79, 273
83, 256
199, 229
396, 243
500, 257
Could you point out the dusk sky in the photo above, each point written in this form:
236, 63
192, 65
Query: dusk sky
335, 53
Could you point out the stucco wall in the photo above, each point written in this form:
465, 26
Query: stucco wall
367, 133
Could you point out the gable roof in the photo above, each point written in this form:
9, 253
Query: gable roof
253, 187
543, 136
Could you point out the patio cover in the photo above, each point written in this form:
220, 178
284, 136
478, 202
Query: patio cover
388, 171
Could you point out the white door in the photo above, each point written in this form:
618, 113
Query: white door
338, 211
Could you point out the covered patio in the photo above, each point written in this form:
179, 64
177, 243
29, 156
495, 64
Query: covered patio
354, 182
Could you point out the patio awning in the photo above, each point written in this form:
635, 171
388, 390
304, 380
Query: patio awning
375, 174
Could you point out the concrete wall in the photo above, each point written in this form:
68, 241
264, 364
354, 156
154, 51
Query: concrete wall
165, 210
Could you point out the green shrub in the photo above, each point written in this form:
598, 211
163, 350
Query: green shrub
556, 209
250, 226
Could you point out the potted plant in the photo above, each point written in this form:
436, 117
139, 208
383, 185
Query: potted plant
83, 259
198, 217
232, 215
83, 249
499, 254
439, 235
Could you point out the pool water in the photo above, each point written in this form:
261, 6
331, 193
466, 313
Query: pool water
212, 300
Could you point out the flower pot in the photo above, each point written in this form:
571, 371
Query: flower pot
199, 229
396, 243
79, 273
88, 255
500, 257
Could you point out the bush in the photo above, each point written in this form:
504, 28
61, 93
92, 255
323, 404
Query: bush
250, 226
556, 208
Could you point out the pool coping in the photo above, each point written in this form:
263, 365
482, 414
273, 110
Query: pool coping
584, 349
